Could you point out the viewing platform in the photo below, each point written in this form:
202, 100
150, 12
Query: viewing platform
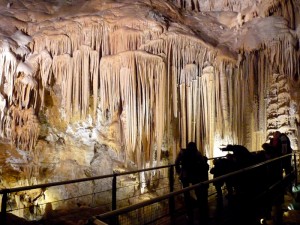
167, 207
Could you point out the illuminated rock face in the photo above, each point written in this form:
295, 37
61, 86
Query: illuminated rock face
141, 79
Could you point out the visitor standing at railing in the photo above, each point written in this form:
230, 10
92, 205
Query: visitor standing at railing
285, 145
272, 175
282, 144
217, 171
192, 168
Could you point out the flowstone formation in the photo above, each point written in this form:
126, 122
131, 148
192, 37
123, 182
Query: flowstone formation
92, 87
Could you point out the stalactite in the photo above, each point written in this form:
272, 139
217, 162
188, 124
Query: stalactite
62, 71
188, 4
99, 35
125, 39
45, 65
188, 91
26, 91
59, 45
273, 56
74, 75
94, 70
81, 81
176, 89
224, 104
159, 88
183, 115
135, 81
211, 5
66, 38
25, 127
207, 109
3, 107
181, 53
8, 70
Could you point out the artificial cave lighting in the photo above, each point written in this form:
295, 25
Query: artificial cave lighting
92, 87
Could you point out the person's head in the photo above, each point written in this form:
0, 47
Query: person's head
276, 134
267, 147
192, 147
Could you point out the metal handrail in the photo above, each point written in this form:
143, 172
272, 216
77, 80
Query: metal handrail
175, 193
6, 191
24, 188
52, 184
114, 176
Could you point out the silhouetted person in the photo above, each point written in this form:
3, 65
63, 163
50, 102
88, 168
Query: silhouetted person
274, 169
192, 168
285, 145
282, 145
219, 169
242, 158
274, 174
230, 181
275, 141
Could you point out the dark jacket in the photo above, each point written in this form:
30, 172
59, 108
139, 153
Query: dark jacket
191, 166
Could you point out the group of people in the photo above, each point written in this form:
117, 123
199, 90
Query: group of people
193, 168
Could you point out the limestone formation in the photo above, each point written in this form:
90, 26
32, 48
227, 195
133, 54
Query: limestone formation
141, 78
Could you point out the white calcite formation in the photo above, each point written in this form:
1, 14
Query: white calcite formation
141, 79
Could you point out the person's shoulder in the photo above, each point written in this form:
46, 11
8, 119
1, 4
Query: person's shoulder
182, 151
203, 157
284, 137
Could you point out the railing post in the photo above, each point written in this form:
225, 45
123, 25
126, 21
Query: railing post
114, 192
171, 188
3, 207
296, 171
114, 220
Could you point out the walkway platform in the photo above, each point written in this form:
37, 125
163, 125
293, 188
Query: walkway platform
220, 213
228, 212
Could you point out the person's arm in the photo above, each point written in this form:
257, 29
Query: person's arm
206, 163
